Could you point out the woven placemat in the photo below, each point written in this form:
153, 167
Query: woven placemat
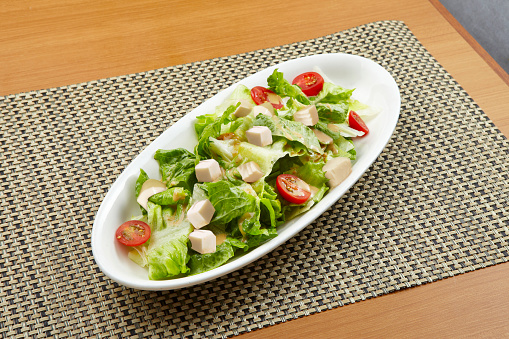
434, 204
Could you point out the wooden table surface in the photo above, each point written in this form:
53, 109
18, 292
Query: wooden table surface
52, 43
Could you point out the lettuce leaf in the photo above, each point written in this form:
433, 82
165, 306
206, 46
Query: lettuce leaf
271, 214
265, 157
333, 94
279, 85
292, 131
200, 263
293, 210
229, 201
139, 182
166, 254
312, 173
212, 129
171, 196
335, 113
177, 167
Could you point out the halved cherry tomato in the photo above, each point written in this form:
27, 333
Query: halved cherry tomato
133, 233
355, 121
261, 94
311, 83
293, 189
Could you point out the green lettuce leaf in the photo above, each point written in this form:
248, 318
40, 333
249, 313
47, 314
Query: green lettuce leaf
293, 210
200, 263
335, 113
212, 130
271, 214
166, 252
312, 173
171, 196
139, 182
333, 94
203, 121
177, 167
292, 131
265, 157
229, 201
279, 85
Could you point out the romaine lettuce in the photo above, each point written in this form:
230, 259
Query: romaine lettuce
177, 167
279, 85
292, 131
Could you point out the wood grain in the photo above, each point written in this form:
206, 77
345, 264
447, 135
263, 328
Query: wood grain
453, 308
54, 43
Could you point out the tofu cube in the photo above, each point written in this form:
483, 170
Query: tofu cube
207, 170
250, 172
201, 213
259, 136
337, 169
266, 109
308, 115
147, 193
322, 137
244, 109
203, 241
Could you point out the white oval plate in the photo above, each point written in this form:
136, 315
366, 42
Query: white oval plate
373, 85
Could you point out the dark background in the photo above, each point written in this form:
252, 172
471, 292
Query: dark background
488, 22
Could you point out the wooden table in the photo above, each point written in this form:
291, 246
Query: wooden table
54, 43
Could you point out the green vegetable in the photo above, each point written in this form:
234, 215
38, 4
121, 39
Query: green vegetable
333, 94
166, 254
279, 85
177, 167
200, 263
335, 113
229, 201
171, 196
290, 130
212, 130
139, 182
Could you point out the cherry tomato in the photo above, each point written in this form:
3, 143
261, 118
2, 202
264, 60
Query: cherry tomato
133, 233
355, 121
293, 189
311, 83
261, 94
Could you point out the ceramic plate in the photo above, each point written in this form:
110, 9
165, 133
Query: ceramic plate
373, 85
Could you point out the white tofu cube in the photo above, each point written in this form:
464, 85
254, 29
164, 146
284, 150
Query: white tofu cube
147, 193
259, 136
337, 169
207, 170
322, 137
266, 109
308, 115
203, 241
148, 189
250, 172
201, 213
244, 109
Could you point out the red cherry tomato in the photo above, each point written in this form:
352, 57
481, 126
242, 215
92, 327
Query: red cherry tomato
261, 94
311, 83
133, 233
293, 189
355, 121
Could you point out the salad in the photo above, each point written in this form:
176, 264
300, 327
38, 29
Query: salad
263, 157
